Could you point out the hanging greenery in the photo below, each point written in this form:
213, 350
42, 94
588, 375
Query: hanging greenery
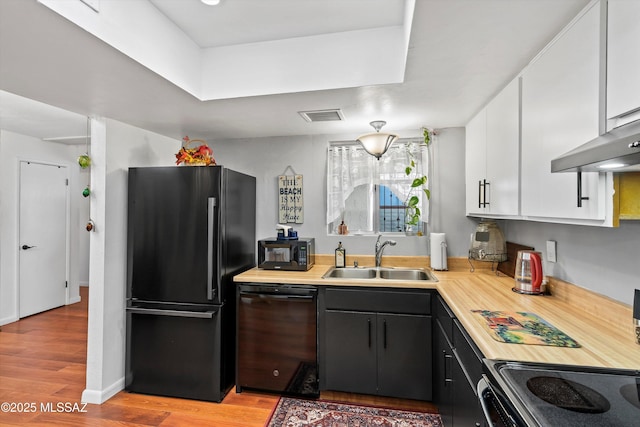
413, 211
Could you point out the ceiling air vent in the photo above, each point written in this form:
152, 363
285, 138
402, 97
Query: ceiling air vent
322, 115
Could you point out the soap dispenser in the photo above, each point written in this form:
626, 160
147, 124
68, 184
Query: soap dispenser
341, 256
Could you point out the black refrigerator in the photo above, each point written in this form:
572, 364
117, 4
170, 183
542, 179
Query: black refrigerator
190, 230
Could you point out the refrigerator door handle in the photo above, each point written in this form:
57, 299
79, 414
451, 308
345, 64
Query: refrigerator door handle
172, 313
211, 224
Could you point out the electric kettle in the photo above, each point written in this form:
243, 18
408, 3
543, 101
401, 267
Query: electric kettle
528, 274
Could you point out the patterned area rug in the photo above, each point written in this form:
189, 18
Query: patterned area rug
298, 413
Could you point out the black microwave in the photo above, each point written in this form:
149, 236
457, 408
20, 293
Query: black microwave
286, 254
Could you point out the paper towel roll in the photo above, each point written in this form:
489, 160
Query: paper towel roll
438, 251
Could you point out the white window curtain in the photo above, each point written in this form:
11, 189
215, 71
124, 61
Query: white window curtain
350, 166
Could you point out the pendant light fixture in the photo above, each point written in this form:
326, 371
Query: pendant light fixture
377, 143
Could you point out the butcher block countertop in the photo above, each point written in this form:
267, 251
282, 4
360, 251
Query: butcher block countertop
602, 326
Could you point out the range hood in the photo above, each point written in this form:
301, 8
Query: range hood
620, 146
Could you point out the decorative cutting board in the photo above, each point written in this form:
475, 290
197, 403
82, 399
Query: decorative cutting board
520, 327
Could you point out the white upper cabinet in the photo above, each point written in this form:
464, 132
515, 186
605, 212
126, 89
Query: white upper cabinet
492, 156
475, 162
561, 106
503, 150
623, 62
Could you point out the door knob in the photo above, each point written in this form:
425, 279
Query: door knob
25, 247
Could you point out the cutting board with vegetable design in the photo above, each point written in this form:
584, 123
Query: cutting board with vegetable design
520, 327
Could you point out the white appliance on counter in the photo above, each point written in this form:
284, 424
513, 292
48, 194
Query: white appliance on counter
438, 251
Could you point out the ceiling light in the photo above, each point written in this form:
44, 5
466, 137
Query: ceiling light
612, 166
211, 2
377, 143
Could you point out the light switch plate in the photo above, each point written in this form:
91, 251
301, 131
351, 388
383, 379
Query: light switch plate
551, 251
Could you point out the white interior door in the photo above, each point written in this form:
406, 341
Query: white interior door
42, 237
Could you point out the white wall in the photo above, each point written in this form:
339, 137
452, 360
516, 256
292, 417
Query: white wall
13, 148
115, 147
602, 259
266, 158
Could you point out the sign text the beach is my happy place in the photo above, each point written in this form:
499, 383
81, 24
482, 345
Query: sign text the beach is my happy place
290, 201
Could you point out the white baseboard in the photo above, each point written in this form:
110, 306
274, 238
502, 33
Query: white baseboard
98, 397
74, 300
7, 320
85, 284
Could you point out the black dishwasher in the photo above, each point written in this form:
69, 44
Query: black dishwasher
277, 339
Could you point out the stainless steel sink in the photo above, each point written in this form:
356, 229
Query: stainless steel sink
350, 273
404, 274
382, 273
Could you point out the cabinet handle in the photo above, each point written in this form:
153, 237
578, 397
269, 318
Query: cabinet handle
384, 334
447, 367
482, 193
369, 326
580, 198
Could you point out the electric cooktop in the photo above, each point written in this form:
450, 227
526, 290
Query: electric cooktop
567, 395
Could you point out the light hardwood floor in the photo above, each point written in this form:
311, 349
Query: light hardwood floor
42, 376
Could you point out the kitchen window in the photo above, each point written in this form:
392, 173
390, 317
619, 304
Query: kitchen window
370, 195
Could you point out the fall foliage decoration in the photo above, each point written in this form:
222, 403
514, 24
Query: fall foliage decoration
190, 154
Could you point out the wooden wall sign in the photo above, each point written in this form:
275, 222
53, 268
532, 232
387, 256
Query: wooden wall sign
290, 201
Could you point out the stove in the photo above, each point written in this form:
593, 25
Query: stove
535, 394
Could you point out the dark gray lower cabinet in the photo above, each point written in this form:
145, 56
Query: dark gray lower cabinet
443, 375
366, 350
350, 358
458, 368
404, 356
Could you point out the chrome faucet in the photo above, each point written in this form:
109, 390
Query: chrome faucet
380, 248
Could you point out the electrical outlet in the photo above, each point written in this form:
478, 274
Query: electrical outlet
551, 251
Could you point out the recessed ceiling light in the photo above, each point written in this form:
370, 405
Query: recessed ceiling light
211, 2
612, 166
